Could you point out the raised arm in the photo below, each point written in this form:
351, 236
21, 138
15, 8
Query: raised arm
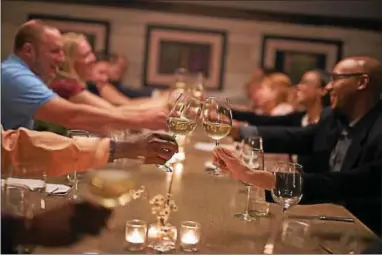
78, 116
50, 153
293, 119
46, 152
276, 139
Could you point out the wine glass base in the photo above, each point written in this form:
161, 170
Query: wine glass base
215, 173
165, 168
244, 217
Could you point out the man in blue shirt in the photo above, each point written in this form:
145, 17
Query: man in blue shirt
23, 91
25, 96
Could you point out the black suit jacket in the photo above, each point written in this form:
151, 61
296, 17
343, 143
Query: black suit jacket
290, 120
358, 185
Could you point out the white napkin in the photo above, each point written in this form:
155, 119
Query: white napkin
211, 146
209, 165
35, 183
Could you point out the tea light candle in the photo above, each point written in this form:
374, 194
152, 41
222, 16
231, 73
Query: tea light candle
135, 235
189, 236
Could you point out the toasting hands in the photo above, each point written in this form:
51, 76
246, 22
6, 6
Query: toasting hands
226, 161
154, 148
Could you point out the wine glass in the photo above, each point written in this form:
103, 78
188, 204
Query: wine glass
288, 187
252, 156
73, 177
183, 118
16, 199
217, 123
196, 88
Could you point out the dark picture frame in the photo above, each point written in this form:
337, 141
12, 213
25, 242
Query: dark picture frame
198, 50
96, 31
295, 55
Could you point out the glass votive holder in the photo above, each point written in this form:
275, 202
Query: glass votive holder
189, 236
162, 238
135, 235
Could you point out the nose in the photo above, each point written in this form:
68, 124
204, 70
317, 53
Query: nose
329, 86
61, 57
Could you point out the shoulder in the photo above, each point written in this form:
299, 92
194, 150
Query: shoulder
282, 109
18, 79
66, 88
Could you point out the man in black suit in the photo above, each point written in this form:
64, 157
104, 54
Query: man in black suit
345, 145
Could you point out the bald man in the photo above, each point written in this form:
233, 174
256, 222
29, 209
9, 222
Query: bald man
345, 146
38, 49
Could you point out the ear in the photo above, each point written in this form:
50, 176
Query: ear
323, 92
363, 82
28, 49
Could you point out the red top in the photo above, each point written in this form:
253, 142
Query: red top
66, 88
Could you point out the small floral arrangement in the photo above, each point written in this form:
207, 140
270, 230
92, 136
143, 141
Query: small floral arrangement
162, 207
135, 194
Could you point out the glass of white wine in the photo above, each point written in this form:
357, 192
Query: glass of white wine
217, 123
288, 187
109, 187
183, 118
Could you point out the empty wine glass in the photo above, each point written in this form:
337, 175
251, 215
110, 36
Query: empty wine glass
183, 118
217, 123
196, 88
73, 177
288, 187
252, 156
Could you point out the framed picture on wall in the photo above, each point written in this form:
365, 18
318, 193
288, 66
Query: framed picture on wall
96, 31
295, 55
198, 50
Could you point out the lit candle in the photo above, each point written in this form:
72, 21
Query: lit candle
189, 238
135, 237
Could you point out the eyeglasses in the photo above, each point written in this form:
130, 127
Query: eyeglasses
337, 76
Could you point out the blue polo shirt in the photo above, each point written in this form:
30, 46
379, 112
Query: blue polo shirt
22, 94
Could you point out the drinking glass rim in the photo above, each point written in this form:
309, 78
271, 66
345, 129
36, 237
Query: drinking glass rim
190, 224
136, 223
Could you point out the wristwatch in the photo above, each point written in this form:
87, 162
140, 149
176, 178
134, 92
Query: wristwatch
112, 149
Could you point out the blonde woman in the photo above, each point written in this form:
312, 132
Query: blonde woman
273, 95
76, 70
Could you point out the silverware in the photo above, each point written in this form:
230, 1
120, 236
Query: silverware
327, 249
322, 217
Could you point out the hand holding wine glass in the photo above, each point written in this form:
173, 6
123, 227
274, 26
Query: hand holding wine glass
217, 122
183, 118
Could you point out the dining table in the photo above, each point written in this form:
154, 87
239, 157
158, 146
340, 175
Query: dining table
212, 202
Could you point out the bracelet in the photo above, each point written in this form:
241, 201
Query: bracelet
112, 149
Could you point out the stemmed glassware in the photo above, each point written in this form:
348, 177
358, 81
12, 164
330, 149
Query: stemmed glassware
183, 118
73, 177
252, 155
217, 123
288, 187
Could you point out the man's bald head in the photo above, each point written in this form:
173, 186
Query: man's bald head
30, 32
368, 66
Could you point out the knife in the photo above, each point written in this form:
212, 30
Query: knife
322, 217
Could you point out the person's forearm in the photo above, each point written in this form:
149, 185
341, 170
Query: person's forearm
45, 152
102, 121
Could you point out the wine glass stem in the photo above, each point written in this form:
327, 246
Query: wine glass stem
217, 143
249, 189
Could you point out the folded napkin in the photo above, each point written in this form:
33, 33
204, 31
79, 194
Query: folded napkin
209, 165
35, 184
211, 146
